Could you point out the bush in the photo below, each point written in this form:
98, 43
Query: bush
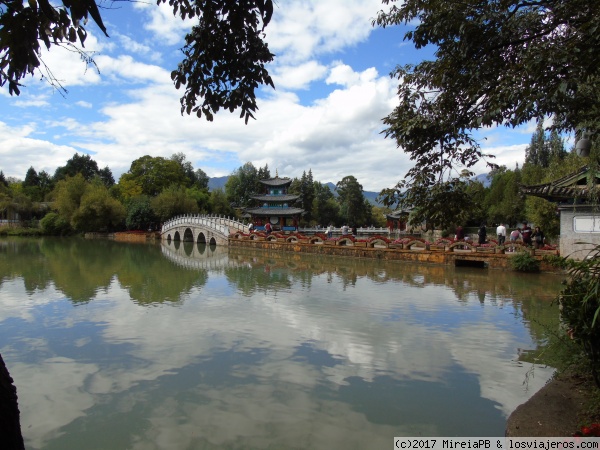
54, 225
580, 307
524, 262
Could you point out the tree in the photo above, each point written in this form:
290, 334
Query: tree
173, 201
86, 166
504, 203
224, 53
68, 194
351, 200
31, 185
153, 174
140, 215
195, 178
218, 203
501, 62
98, 211
31, 178
241, 185
538, 152
325, 209
264, 173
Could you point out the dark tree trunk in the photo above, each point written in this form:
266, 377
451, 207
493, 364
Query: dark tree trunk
10, 426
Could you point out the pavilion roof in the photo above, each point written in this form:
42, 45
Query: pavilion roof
277, 181
571, 186
276, 198
275, 211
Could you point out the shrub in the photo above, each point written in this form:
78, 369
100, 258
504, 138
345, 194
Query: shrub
55, 225
580, 307
524, 262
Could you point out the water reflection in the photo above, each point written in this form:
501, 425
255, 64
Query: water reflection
186, 346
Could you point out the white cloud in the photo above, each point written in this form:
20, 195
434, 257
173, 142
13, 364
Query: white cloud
301, 29
298, 77
165, 26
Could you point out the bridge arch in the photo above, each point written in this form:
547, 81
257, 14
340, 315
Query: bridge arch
208, 229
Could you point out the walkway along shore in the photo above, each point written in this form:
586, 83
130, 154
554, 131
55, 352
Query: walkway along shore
416, 250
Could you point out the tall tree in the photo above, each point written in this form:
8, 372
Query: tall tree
31, 185
351, 200
538, 150
503, 202
325, 209
31, 178
516, 61
242, 184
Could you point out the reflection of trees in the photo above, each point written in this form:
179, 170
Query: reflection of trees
151, 278
21, 258
529, 294
80, 268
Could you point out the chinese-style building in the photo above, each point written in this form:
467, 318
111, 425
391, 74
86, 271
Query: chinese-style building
275, 205
579, 213
397, 220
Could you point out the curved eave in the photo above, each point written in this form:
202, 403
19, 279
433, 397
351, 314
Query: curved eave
277, 181
268, 212
555, 193
276, 198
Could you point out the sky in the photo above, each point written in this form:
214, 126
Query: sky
332, 89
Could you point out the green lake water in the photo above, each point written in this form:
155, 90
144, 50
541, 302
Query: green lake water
181, 346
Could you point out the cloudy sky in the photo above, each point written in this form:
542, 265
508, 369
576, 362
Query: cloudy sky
332, 89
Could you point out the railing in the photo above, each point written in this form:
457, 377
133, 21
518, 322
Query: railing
338, 231
221, 224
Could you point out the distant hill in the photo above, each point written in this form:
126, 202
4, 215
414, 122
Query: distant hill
483, 179
219, 183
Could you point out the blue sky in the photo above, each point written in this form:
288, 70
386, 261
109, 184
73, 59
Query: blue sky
332, 89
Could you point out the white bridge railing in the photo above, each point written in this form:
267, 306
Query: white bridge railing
217, 223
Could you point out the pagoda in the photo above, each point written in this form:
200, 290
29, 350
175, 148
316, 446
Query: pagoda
275, 206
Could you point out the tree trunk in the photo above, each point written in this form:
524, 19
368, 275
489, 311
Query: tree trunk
10, 426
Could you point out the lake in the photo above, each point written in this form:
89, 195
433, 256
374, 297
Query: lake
152, 346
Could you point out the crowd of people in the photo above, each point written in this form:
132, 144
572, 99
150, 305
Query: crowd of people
530, 237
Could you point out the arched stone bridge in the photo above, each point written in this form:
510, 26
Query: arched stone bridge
207, 229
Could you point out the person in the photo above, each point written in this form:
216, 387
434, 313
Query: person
344, 230
460, 233
526, 233
501, 233
251, 227
514, 236
330, 231
268, 228
354, 230
482, 233
538, 237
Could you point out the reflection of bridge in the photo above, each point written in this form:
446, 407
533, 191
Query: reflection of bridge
193, 255
201, 229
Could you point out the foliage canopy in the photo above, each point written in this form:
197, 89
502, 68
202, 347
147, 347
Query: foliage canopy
224, 53
498, 62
